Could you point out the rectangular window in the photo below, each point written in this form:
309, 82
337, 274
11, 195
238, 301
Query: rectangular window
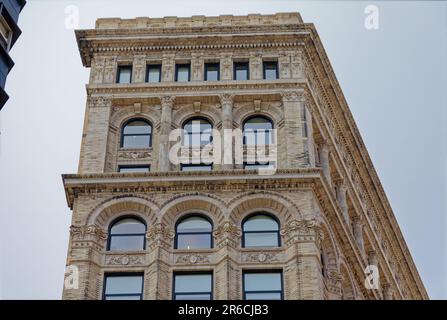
153, 73
123, 287
212, 72
124, 74
196, 167
193, 286
182, 72
304, 121
270, 70
241, 71
263, 285
145, 168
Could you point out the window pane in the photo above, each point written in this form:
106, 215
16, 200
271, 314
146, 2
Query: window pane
124, 74
134, 169
193, 241
255, 166
136, 141
134, 297
196, 168
262, 281
263, 296
124, 284
182, 73
153, 73
197, 132
260, 223
126, 243
212, 72
241, 74
194, 224
267, 239
258, 123
137, 127
128, 225
193, 297
270, 70
193, 283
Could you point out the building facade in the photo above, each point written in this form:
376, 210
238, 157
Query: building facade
9, 32
308, 219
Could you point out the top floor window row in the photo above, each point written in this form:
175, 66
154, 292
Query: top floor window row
241, 71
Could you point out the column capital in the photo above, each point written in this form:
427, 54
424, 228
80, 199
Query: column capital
167, 101
226, 98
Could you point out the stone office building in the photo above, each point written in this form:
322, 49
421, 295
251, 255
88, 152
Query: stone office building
144, 227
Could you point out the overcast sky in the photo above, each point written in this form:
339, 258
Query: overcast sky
394, 80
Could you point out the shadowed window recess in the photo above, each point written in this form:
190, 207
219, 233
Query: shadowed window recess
136, 133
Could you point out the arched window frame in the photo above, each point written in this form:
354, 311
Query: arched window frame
200, 215
123, 126
118, 219
244, 141
190, 134
261, 213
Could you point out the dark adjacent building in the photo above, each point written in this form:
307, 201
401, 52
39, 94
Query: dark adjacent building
9, 32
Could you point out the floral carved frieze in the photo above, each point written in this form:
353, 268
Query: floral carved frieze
81, 232
124, 260
134, 155
192, 259
266, 257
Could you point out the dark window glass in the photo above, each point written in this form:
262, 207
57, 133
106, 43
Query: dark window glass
270, 70
263, 285
197, 132
257, 165
241, 71
123, 287
153, 73
124, 74
182, 72
136, 134
133, 168
127, 234
260, 230
196, 167
258, 131
194, 232
211, 72
193, 287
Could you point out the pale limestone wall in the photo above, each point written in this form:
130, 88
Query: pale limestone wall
334, 216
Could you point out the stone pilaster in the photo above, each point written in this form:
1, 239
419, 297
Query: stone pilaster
226, 101
139, 69
168, 67
284, 65
342, 202
95, 135
255, 69
110, 70
197, 67
324, 162
167, 103
357, 226
293, 135
226, 67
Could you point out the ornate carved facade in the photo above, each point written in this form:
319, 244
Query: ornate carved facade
333, 216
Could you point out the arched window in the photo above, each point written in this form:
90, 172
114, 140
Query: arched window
197, 132
260, 230
127, 234
258, 131
136, 133
194, 232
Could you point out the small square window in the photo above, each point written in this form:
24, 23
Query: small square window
182, 72
193, 286
135, 168
263, 285
123, 287
241, 71
212, 72
270, 70
153, 73
124, 74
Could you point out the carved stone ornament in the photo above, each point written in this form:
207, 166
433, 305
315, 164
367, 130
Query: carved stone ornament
192, 259
227, 230
124, 260
134, 155
167, 101
159, 232
292, 96
80, 232
299, 230
267, 257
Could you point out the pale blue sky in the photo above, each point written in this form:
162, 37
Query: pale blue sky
394, 80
